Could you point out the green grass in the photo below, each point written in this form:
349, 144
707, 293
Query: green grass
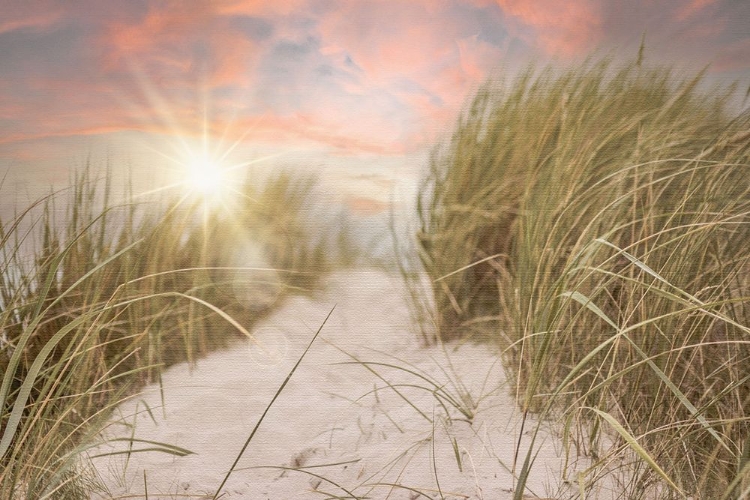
596, 223
97, 301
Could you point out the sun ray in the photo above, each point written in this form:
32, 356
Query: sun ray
236, 143
157, 190
177, 204
156, 101
165, 155
253, 161
199, 154
243, 194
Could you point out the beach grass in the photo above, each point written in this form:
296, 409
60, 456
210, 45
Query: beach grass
595, 222
98, 298
592, 222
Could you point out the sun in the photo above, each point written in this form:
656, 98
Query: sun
201, 172
201, 165
204, 175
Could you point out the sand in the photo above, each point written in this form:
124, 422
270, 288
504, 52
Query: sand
338, 430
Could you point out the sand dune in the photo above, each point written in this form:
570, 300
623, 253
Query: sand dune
341, 427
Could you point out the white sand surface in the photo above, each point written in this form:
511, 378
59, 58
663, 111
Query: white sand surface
347, 432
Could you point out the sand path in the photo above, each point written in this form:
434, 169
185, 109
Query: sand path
345, 431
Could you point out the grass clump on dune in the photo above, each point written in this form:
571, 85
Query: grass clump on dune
98, 303
596, 222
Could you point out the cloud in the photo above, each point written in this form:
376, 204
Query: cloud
734, 56
256, 28
24, 16
182, 42
261, 7
313, 131
366, 76
688, 35
428, 57
557, 28
693, 8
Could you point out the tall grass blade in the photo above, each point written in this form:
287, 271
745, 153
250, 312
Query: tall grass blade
270, 404
636, 447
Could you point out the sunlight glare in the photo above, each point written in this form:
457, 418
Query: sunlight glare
205, 175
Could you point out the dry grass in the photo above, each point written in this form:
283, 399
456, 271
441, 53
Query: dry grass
98, 303
596, 223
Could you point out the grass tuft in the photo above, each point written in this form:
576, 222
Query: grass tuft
97, 301
596, 223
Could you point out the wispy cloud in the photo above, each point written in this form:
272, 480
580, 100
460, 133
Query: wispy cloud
557, 28
693, 8
371, 76
25, 17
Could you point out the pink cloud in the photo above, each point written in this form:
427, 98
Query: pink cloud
735, 56
479, 59
423, 43
693, 8
374, 76
566, 28
415, 63
388, 39
29, 15
306, 128
260, 7
163, 40
70, 132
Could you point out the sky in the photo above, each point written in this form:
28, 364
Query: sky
360, 89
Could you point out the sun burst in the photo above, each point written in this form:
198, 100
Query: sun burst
200, 157
204, 175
